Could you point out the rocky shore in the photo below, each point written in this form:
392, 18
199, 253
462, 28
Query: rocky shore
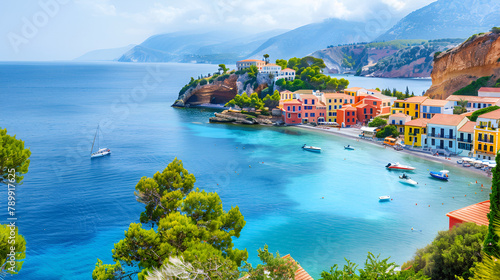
241, 117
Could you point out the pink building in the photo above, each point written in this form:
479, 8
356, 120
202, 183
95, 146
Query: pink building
346, 116
314, 110
292, 112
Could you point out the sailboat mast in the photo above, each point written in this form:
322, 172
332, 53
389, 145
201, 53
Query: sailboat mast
91, 149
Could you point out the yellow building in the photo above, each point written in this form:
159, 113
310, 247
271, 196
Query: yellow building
333, 102
416, 132
355, 91
410, 106
486, 134
285, 96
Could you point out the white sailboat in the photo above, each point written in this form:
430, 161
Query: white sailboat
100, 151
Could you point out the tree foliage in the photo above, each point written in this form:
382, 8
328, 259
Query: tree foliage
223, 68
13, 156
272, 267
377, 122
461, 107
482, 111
473, 87
107, 271
272, 101
452, 252
244, 101
282, 63
190, 224
389, 130
14, 247
491, 243
374, 268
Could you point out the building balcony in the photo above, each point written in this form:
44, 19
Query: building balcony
482, 140
486, 128
465, 140
444, 136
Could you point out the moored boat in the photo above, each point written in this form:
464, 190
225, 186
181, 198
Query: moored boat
406, 179
349, 147
399, 166
441, 175
384, 198
100, 151
311, 148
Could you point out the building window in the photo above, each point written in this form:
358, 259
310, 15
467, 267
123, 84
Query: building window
340, 100
491, 148
288, 108
313, 115
433, 142
300, 115
364, 110
288, 115
305, 101
330, 107
411, 139
340, 106
450, 144
348, 114
293, 107
329, 101
306, 114
479, 146
335, 107
335, 100
371, 110
312, 102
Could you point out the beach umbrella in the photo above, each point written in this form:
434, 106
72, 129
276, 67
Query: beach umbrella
466, 159
492, 165
477, 161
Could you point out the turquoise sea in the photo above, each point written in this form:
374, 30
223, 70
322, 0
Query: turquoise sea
319, 208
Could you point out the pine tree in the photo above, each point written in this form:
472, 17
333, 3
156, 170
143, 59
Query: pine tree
491, 246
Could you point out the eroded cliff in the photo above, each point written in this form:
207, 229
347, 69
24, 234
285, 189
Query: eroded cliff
454, 69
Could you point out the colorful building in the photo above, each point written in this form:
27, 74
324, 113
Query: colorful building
355, 91
246, 63
486, 134
399, 120
488, 92
412, 106
346, 116
475, 102
431, 107
286, 95
365, 112
416, 132
292, 112
313, 109
476, 213
466, 137
287, 74
333, 102
442, 131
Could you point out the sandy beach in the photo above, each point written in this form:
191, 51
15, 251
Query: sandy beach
354, 133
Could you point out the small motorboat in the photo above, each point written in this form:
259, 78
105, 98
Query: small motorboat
349, 147
399, 166
311, 149
466, 164
460, 161
406, 179
384, 198
441, 175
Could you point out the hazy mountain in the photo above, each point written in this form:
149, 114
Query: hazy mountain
105, 54
212, 47
447, 19
309, 38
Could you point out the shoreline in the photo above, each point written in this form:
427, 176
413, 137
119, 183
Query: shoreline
353, 133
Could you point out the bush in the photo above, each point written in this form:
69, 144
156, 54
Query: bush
495, 30
473, 87
203, 82
377, 122
453, 252
390, 130
479, 112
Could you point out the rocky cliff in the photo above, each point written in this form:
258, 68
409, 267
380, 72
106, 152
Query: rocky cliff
454, 69
219, 91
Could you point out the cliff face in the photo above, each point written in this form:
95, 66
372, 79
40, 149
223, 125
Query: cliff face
458, 67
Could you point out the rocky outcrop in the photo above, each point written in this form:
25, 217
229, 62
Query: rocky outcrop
477, 57
237, 117
222, 91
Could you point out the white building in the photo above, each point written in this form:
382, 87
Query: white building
442, 131
475, 103
287, 74
489, 92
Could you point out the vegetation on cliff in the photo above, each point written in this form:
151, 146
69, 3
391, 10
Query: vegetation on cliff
253, 101
473, 87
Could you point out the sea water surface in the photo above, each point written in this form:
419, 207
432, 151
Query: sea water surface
319, 208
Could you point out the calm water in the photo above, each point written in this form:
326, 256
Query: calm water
72, 210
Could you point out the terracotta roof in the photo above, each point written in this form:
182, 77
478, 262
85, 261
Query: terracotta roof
300, 273
495, 115
477, 99
372, 97
475, 213
444, 119
348, 108
416, 99
271, 64
304, 91
418, 122
250, 60
353, 89
489, 89
292, 102
336, 95
308, 95
288, 70
468, 127
398, 115
435, 102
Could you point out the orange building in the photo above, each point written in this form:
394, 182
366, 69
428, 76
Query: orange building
346, 116
475, 213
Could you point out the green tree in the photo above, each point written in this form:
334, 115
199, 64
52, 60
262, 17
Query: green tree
491, 243
389, 130
453, 252
107, 271
282, 63
191, 224
253, 71
223, 68
266, 58
272, 101
495, 30
12, 249
14, 158
461, 107
272, 267
377, 122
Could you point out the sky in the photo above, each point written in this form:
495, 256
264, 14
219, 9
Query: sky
45, 30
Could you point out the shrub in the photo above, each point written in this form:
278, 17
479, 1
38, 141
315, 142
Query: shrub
377, 122
453, 252
203, 82
495, 30
390, 130
473, 87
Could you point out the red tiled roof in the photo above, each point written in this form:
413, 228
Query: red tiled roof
288, 70
491, 115
398, 115
300, 273
475, 213
353, 89
348, 108
489, 89
251, 60
477, 99
468, 127
418, 122
271, 64
444, 119
435, 102
416, 99
292, 102
336, 95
